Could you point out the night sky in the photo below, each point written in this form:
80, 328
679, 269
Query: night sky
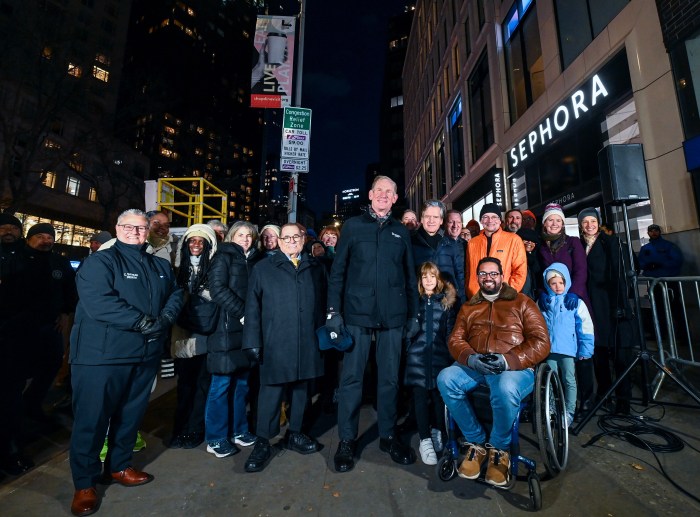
344, 55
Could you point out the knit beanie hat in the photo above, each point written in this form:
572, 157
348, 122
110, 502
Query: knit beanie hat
205, 232
41, 228
588, 212
490, 208
273, 227
554, 273
529, 213
553, 209
6, 218
101, 237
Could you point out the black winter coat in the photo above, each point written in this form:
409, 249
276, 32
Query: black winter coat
448, 257
285, 306
373, 280
117, 286
606, 287
228, 286
427, 353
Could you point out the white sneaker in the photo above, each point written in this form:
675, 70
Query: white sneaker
427, 452
437, 440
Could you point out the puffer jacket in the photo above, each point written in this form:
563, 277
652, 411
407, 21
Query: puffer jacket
570, 331
228, 285
448, 257
512, 326
427, 352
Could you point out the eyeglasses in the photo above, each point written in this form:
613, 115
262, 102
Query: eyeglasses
492, 274
130, 228
290, 238
490, 218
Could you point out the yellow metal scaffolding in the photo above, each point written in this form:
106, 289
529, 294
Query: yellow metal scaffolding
193, 198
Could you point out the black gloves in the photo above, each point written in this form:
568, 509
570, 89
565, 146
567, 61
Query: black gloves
253, 355
154, 328
570, 301
334, 324
488, 364
412, 327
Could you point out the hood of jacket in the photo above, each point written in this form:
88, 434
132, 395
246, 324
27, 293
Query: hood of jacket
564, 271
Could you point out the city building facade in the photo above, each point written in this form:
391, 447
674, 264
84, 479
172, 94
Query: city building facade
529, 102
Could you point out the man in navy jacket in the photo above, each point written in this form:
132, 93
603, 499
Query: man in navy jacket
128, 300
372, 289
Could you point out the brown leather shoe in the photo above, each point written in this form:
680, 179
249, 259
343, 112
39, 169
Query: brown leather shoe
131, 477
85, 502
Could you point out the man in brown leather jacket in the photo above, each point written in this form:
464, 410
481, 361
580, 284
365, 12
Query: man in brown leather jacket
498, 339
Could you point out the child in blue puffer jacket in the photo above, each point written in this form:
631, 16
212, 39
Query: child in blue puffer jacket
570, 331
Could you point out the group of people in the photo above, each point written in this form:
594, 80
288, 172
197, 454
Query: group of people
442, 308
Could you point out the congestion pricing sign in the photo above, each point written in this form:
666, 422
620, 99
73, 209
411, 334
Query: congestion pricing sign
296, 139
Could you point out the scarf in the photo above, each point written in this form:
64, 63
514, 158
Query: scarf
381, 219
590, 241
554, 241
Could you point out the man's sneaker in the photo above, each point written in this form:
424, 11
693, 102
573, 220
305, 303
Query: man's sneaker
498, 471
569, 419
103, 452
438, 444
222, 448
427, 452
140, 442
470, 468
245, 439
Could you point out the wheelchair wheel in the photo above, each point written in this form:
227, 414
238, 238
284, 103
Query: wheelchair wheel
535, 489
550, 420
446, 468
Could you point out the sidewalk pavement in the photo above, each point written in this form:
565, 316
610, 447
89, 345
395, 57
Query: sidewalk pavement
610, 478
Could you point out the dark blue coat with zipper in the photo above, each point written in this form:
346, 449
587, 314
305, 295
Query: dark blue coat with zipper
427, 353
117, 286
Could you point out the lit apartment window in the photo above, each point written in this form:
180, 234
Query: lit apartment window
168, 129
72, 186
523, 54
100, 74
50, 179
481, 116
51, 144
74, 70
397, 101
92, 195
47, 52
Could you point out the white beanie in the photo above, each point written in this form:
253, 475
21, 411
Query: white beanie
553, 273
553, 209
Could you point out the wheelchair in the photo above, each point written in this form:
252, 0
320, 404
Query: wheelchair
545, 408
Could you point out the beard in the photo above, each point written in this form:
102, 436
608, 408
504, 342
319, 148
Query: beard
491, 288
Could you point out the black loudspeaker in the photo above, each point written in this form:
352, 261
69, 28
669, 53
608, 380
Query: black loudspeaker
623, 174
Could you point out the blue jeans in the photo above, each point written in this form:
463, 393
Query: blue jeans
564, 365
226, 409
507, 390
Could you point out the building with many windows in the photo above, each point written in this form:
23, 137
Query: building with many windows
528, 102
184, 102
60, 71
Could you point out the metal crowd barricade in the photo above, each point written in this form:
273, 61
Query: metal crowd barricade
675, 311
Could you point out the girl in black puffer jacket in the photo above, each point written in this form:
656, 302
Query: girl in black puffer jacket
427, 354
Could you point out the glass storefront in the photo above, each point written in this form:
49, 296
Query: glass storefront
66, 233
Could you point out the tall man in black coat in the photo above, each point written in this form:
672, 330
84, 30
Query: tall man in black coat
372, 289
128, 301
284, 307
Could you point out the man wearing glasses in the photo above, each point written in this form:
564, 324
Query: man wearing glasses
498, 338
128, 301
507, 247
284, 307
372, 290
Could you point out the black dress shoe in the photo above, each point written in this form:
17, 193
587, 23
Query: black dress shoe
301, 443
15, 465
400, 453
192, 440
262, 452
344, 458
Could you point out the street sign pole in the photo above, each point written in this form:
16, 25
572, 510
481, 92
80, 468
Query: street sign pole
299, 74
